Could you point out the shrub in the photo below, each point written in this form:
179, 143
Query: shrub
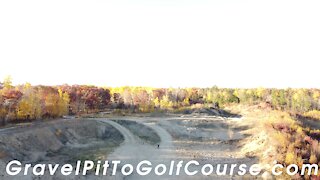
290, 158
314, 114
313, 159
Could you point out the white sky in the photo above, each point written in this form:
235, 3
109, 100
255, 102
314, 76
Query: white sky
161, 43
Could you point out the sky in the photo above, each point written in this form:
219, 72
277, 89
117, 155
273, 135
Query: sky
161, 43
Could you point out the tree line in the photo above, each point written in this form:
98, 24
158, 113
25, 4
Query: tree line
27, 102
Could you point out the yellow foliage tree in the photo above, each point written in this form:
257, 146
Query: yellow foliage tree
261, 92
165, 103
7, 82
29, 106
50, 103
301, 100
156, 102
63, 103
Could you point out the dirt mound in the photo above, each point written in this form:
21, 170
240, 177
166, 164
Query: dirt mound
140, 130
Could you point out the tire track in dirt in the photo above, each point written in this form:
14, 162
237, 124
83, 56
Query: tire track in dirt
128, 136
133, 151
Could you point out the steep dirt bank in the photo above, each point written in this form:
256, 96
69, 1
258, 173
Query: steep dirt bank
56, 141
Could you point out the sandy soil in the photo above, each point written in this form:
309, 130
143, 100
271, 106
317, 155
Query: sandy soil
207, 139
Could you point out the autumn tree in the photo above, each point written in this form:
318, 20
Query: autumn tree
301, 100
262, 94
63, 103
278, 98
158, 93
194, 96
165, 103
315, 97
3, 111
29, 107
127, 98
7, 82
11, 98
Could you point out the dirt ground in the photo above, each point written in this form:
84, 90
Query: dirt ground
206, 139
201, 137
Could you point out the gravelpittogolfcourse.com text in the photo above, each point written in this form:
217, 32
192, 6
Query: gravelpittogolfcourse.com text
145, 167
